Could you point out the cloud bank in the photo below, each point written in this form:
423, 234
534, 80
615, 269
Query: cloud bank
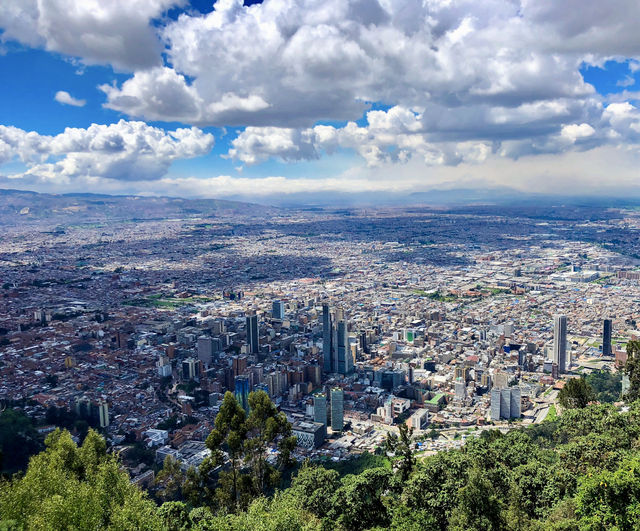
412, 87
124, 151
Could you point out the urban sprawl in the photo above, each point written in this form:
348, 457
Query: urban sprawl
352, 321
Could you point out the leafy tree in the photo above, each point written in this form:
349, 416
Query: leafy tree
201, 517
632, 369
610, 500
435, 485
230, 433
265, 424
606, 385
71, 487
402, 446
175, 516
537, 487
19, 440
479, 507
577, 422
246, 440
169, 480
315, 487
195, 489
281, 512
515, 517
576, 393
360, 500
405, 519
562, 517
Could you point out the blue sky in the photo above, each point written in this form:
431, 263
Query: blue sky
267, 101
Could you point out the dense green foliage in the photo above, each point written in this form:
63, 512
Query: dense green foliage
402, 446
18, 441
580, 471
71, 487
576, 393
632, 369
245, 439
606, 385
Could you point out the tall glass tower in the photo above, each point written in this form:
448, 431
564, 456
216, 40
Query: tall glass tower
607, 332
337, 409
252, 334
560, 342
320, 408
327, 339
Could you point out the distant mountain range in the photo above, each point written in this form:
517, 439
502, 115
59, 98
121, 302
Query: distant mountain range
19, 207
439, 198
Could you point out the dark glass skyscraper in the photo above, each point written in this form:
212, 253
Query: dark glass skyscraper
278, 310
345, 360
320, 408
252, 334
327, 338
335, 341
607, 332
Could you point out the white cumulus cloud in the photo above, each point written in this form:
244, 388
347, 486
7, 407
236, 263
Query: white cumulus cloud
464, 83
116, 32
62, 96
295, 63
121, 151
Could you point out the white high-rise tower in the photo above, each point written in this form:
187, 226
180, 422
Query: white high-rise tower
560, 342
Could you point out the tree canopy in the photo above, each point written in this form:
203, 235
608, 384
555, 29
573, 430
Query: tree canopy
580, 471
71, 487
632, 370
576, 393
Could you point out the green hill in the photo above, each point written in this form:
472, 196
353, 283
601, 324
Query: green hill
578, 472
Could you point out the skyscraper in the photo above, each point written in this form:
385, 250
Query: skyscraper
278, 310
560, 342
103, 413
239, 365
336, 350
189, 369
320, 408
205, 349
505, 403
495, 403
516, 402
460, 389
252, 334
345, 360
241, 391
326, 338
606, 337
337, 409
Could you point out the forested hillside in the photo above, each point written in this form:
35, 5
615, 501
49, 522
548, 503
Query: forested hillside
580, 471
